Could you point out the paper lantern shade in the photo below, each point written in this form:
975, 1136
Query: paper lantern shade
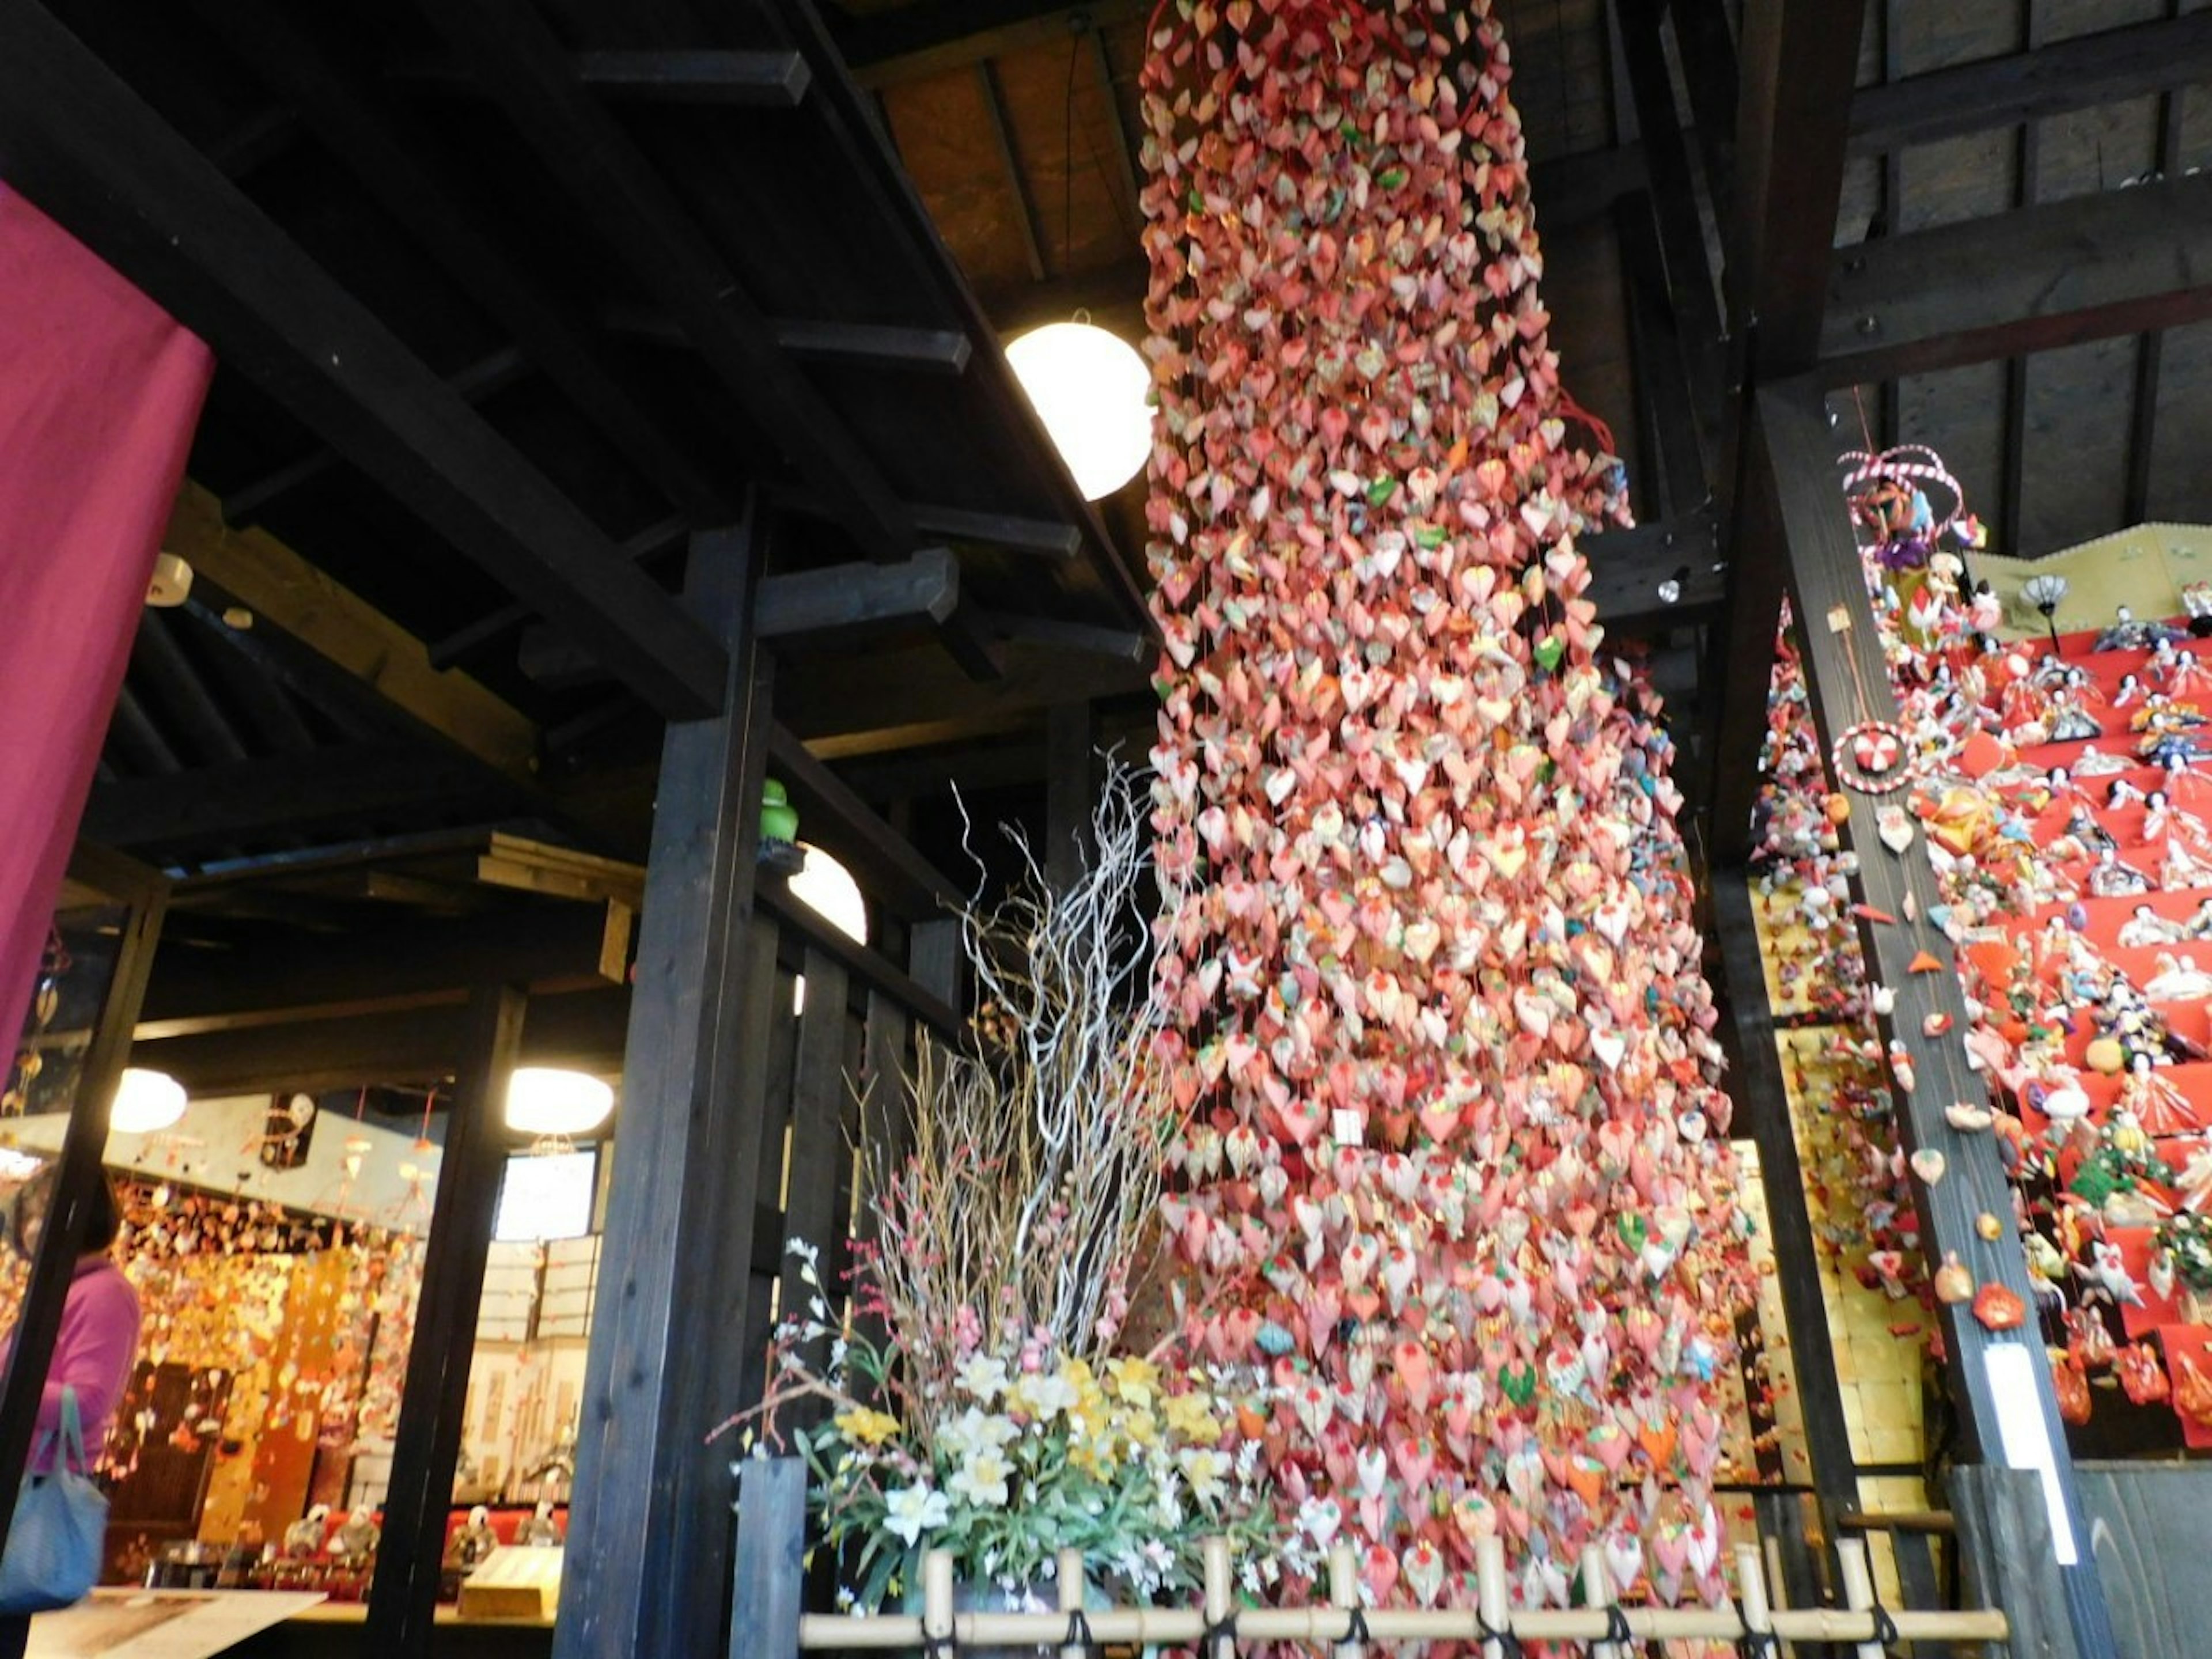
145, 1102
546, 1101
1089, 389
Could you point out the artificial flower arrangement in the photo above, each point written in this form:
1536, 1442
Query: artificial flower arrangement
980, 1390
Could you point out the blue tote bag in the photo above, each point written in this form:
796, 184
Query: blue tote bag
52, 1559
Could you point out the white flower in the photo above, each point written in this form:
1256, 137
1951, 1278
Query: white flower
981, 1479
912, 1510
1204, 1467
962, 1436
1044, 1397
983, 1376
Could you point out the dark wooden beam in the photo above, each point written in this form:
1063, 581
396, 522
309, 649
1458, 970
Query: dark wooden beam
407, 176
1800, 57
1071, 791
343, 649
2150, 349
2027, 165
1667, 416
912, 42
543, 948
1692, 296
466, 644
1631, 572
513, 52
1891, 402
402, 1598
840, 600
2122, 262
843, 604
2079, 73
1847, 681
1117, 643
480, 381
1762, 1112
177, 685
883, 861
649, 1548
81, 144
580, 1029
1010, 164
742, 79
245, 801
971, 641
1704, 42
855, 345
818, 1155
802, 928
1047, 536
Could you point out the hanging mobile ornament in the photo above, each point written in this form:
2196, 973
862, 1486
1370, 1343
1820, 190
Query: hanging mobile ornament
1870, 756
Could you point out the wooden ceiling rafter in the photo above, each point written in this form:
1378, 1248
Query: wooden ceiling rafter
908, 43
615, 189
2080, 72
77, 139
2056, 273
406, 180
741, 80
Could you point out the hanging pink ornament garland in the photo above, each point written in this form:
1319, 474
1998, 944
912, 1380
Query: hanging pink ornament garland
1455, 1170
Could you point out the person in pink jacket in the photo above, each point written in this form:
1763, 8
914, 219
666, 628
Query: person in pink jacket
99, 1341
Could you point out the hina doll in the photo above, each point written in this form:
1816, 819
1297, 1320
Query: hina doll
2156, 1104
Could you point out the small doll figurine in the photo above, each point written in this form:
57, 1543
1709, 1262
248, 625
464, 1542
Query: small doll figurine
2070, 719
2111, 878
1985, 612
2146, 927
303, 1539
2157, 1105
2129, 690
356, 1538
2126, 633
474, 1542
541, 1530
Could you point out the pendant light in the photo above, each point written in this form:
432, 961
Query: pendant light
1089, 387
146, 1102
552, 1103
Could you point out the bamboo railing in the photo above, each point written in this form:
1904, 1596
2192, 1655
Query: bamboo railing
1608, 1630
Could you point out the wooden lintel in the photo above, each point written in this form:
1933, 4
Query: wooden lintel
284, 592
2078, 73
841, 599
2120, 262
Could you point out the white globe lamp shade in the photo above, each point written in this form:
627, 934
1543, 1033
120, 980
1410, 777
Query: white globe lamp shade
546, 1102
1089, 389
146, 1102
827, 888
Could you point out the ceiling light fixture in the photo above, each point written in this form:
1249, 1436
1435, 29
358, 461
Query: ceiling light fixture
1089, 387
549, 1102
146, 1102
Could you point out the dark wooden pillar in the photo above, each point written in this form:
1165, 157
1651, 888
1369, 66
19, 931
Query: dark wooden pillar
1847, 681
1763, 1114
1071, 791
647, 1568
816, 1173
404, 1599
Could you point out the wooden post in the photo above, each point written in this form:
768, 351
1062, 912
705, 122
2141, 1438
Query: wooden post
1071, 791
1069, 1565
403, 1598
819, 1156
1763, 1112
146, 896
1598, 1592
1847, 683
764, 1598
649, 1534
1751, 1590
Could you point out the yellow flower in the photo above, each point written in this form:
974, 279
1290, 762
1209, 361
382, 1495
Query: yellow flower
1135, 1379
1206, 1471
1093, 1457
1190, 1418
864, 1427
1140, 1428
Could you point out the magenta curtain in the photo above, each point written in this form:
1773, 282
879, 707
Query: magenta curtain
99, 392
